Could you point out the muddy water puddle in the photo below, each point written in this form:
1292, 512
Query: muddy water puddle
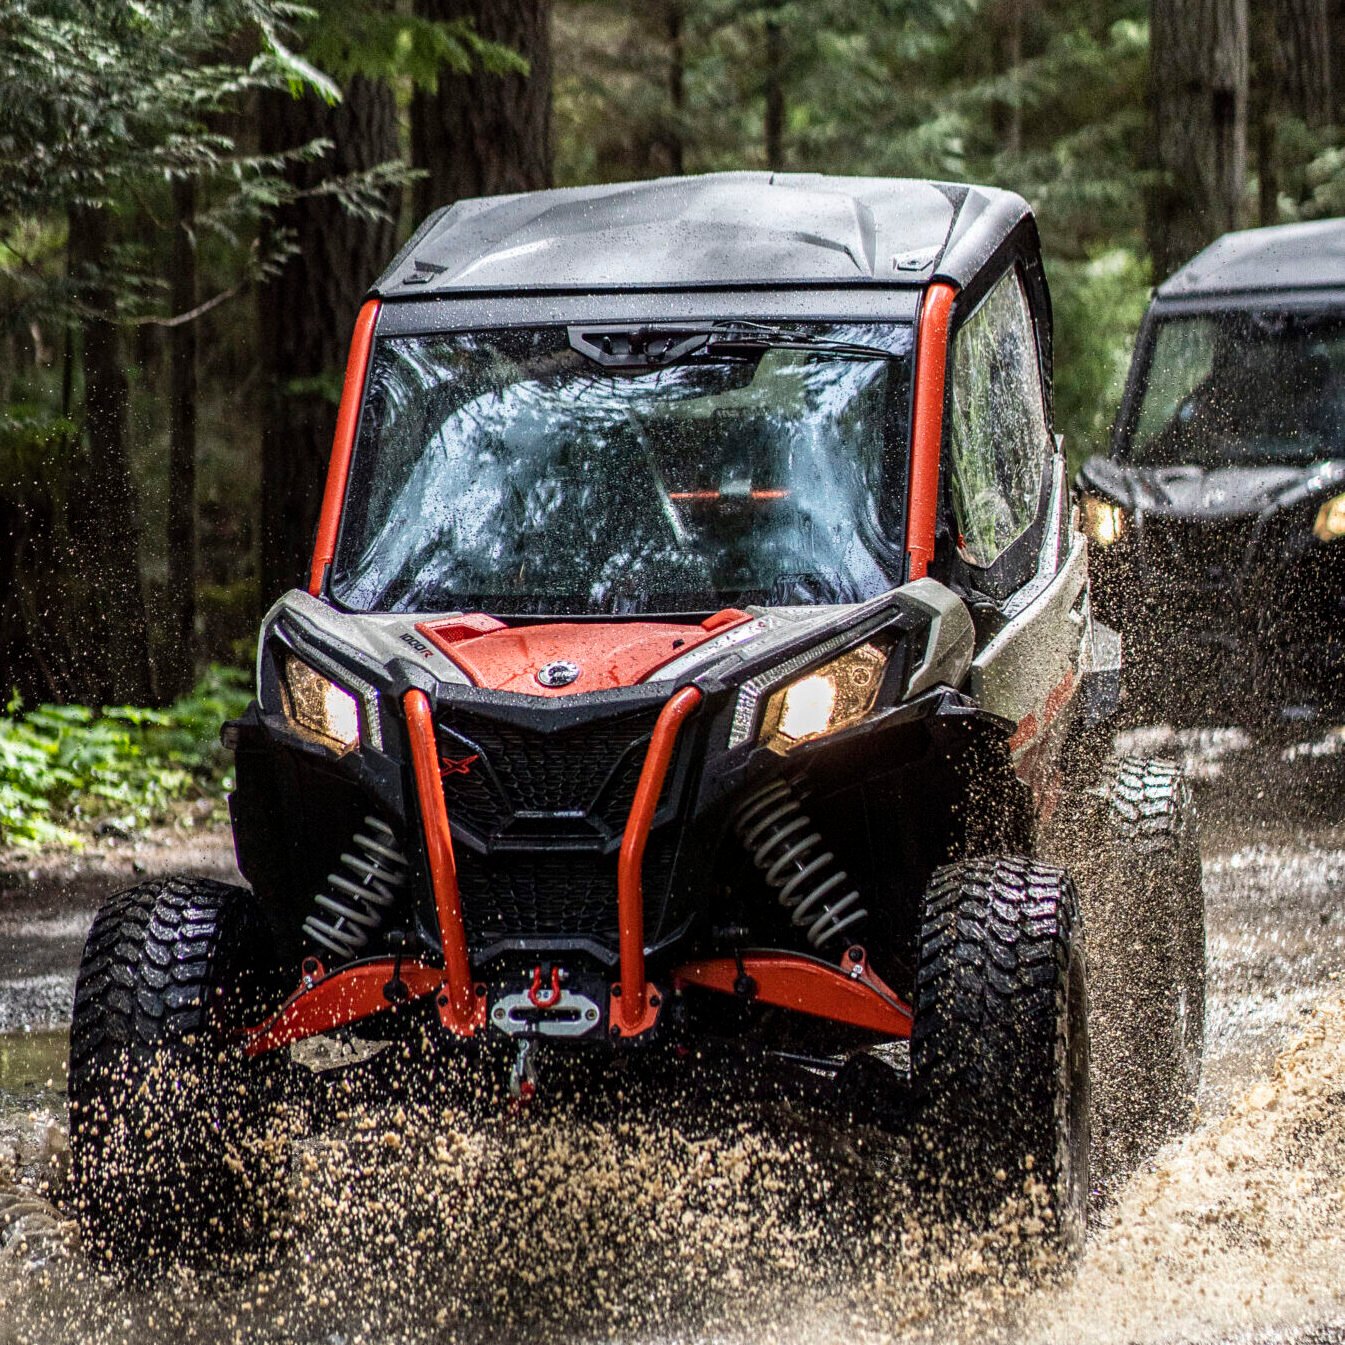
741, 1221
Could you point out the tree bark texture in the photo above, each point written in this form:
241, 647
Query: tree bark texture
1198, 52
481, 134
675, 138
104, 517
179, 663
1264, 98
1303, 73
307, 311
1335, 27
774, 119
1007, 116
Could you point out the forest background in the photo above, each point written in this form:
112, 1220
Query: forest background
194, 196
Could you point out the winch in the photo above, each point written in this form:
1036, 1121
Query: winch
552, 1003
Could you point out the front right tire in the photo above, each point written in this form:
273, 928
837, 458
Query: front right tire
1135, 851
999, 1048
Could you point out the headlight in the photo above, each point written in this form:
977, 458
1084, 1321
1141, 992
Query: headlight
317, 704
834, 696
1330, 522
1103, 522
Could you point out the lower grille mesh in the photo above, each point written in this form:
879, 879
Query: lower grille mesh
554, 893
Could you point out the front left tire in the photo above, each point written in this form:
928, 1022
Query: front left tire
178, 1143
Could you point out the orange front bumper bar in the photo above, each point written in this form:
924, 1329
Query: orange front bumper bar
851, 994
462, 1003
635, 1003
324, 1002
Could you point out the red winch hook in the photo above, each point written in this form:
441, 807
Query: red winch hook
535, 996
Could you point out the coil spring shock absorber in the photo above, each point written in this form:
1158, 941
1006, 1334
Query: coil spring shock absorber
357, 905
779, 836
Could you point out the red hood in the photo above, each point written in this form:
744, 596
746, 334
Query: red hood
607, 654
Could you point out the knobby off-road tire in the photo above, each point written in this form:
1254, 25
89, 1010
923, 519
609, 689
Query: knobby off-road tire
999, 1048
177, 1142
1137, 859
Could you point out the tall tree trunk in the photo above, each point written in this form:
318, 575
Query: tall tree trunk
1335, 27
1008, 115
1264, 101
774, 127
180, 659
1198, 52
306, 311
105, 526
1303, 58
675, 30
481, 134
1267, 170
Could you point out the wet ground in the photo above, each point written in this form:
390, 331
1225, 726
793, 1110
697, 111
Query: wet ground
741, 1220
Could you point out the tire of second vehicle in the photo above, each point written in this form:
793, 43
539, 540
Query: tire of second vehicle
1134, 849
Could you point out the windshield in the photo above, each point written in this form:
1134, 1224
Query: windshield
1238, 388
506, 472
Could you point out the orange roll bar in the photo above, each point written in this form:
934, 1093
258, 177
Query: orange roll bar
632, 1011
931, 371
462, 1009
343, 445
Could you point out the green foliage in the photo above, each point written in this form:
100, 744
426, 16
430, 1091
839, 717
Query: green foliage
352, 37
103, 103
1098, 306
34, 441
62, 766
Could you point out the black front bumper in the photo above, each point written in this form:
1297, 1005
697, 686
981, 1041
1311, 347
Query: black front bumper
1236, 619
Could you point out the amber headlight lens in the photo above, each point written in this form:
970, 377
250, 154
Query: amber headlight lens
1330, 522
1103, 522
834, 696
317, 704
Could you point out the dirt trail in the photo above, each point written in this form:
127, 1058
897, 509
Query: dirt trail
741, 1220
1242, 1223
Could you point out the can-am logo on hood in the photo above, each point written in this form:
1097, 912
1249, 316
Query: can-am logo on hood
559, 673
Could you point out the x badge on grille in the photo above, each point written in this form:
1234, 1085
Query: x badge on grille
456, 765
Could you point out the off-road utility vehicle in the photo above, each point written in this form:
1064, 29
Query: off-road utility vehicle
1218, 515
696, 646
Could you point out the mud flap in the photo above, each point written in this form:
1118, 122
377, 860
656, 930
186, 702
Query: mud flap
1100, 688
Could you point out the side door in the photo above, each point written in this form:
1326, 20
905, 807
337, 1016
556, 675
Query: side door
1016, 551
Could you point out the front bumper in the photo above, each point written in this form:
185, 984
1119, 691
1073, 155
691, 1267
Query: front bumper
1244, 617
445, 970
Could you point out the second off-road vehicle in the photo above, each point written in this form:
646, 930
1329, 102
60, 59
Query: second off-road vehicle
697, 649
1217, 517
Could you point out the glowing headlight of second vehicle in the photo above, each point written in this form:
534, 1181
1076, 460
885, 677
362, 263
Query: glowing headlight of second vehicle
1102, 521
1330, 522
832, 697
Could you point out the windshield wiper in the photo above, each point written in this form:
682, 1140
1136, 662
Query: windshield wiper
618, 346
764, 335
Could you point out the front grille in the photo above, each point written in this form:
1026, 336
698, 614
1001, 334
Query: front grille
541, 816
555, 893
586, 775
1195, 557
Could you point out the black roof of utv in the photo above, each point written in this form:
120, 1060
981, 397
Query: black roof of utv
719, 231
1285, 256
